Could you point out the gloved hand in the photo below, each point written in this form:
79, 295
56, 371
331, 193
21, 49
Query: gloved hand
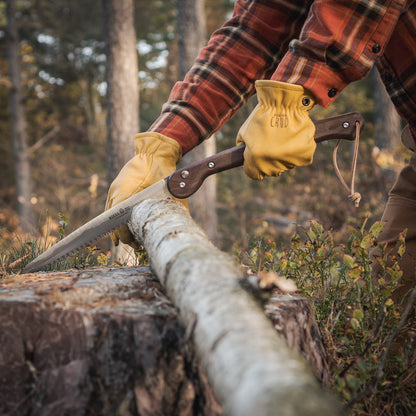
156, 157
278, 134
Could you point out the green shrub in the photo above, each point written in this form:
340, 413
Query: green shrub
368, 339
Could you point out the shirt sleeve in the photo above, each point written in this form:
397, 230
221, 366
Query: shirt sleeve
338, 44
247, 47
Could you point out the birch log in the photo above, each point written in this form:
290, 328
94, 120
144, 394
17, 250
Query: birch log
251, 369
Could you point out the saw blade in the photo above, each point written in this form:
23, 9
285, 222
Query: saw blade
99, 226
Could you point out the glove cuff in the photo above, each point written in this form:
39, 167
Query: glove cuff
276, 94
151, 142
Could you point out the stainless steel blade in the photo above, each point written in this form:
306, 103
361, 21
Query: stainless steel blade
97, 227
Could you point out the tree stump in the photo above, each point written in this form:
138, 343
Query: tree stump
294, 319
96, 342
108, 341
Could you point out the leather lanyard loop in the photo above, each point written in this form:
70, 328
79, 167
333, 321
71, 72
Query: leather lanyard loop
352, 194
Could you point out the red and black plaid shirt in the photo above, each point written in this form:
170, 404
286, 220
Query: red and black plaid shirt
323, 45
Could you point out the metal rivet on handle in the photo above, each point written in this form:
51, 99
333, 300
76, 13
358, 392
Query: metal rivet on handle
211, 165
184, 174
182, 184
345, 124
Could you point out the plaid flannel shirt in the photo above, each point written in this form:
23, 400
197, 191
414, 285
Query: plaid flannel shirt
323, 45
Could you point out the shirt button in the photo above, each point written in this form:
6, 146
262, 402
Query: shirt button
376, 48
332, 92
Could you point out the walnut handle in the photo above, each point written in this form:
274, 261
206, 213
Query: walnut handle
338, 127
186, 181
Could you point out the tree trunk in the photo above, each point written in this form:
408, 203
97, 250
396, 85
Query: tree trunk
386, 119
192, 36
122, 95
251, 369
122, 83
22, 171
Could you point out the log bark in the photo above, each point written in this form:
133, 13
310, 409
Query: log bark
251, 369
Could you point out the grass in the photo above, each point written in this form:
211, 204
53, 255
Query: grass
20, 251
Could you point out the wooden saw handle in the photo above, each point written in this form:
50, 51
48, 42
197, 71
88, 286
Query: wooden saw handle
186, 181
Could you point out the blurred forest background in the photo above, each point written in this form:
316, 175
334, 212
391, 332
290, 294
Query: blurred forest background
64, 78
79, 78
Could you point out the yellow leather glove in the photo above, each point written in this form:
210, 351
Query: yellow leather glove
278, 134
156, 157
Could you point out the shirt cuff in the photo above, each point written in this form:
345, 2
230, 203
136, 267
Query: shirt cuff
316, 77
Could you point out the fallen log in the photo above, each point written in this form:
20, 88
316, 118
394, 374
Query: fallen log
251, 369
109, 341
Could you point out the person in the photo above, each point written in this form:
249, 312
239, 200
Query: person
295, 55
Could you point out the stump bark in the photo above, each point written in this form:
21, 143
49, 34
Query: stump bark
96, 342
193, 341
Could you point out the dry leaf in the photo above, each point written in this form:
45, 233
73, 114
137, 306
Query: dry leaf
18, 262
270, 279
287, 285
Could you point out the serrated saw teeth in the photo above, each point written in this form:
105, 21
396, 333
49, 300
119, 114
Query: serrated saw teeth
99, 226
